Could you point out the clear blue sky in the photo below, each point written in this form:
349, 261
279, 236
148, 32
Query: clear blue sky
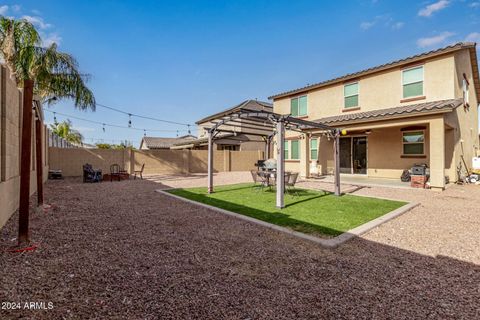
182, 60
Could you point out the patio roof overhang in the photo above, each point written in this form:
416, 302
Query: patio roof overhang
269, 124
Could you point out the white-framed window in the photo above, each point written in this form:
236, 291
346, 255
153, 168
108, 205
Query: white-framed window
291, 150
413, 142
466, 91
298, 106
412, 82
314, 149
350, 94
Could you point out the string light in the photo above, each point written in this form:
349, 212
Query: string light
103, 127
140, 116
144, 132
55, 118
112, 125
129, 120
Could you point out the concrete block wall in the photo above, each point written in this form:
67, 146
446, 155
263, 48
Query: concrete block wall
10, 140
70, 160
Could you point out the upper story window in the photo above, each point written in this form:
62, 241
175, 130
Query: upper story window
466, 92
412, 82
285, 150
350, 93
298, 106
413, 142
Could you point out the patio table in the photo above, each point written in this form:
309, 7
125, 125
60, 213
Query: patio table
271, 177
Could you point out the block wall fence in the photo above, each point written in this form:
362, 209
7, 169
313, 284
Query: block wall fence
70, 160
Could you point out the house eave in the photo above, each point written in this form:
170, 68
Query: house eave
392, 65
387, 118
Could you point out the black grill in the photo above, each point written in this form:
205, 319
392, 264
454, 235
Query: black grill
419, 169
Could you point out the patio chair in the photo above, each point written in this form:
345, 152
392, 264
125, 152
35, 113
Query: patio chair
140, 172
115, 172
91, 175
259, 181
290, 181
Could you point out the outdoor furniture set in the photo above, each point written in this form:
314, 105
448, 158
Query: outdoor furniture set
91, 175
268, 179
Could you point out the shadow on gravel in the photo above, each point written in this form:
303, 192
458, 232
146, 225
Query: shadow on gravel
120, 250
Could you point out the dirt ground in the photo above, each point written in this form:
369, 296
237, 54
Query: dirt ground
120, 250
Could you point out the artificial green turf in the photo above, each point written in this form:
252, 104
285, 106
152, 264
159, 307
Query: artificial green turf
314, 212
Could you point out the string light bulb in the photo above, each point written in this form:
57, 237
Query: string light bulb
103, 127
55, 118
129, 120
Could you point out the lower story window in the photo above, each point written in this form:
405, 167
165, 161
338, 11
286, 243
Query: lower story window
285, 149
295, 152
413, 143
314, 149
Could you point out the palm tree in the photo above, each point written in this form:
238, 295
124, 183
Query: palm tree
65, 130
47, 73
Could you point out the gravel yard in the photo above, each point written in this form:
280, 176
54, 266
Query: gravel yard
123, 251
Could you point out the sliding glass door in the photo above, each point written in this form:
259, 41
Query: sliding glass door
353, 155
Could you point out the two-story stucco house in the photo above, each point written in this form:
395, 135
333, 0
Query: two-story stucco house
421, 109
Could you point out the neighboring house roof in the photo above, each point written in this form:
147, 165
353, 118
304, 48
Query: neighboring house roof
204, 140
164, 143
250, 105
415, 58
441, 106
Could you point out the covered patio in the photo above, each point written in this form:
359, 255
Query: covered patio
381, 144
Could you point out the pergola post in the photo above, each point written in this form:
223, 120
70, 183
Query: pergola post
210, 161
336, 158
268, 146
280, 164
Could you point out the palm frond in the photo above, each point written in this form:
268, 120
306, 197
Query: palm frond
56, 74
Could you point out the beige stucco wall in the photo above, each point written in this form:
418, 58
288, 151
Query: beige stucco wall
378, 91
70, 161
465, 119
10, 131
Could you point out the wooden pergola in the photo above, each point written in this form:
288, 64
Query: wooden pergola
267, 125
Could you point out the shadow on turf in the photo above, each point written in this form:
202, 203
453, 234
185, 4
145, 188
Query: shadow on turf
278, 217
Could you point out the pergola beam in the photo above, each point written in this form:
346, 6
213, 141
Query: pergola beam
242, 132
262, 124
246, 127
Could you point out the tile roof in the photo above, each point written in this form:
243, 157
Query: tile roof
202, 140
252, 105
402, 111
165, 143
433, 53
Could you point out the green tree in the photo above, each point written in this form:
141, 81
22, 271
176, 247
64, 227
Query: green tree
46, 72
65, 130
104, 146
55, 74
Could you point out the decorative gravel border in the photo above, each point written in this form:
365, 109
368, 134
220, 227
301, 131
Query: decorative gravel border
327, 243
